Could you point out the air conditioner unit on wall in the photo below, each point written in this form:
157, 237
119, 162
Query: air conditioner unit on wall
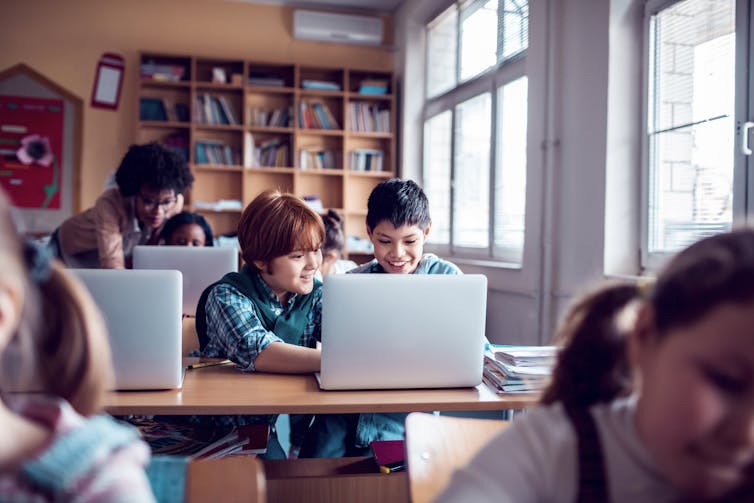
341, 28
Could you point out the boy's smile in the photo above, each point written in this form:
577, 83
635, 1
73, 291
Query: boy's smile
398, 250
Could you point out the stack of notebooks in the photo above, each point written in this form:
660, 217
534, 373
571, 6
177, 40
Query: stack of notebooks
518, 369
195, 441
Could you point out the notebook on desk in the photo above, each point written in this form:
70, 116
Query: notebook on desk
200, 266
142, 310
394, 331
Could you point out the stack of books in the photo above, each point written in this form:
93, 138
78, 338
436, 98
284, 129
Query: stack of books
518, 369
373, 86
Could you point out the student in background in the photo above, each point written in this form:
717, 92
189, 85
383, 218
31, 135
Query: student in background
151, 180
267, 316
187, 229
652, 397
332, 247
398, 223
52, 342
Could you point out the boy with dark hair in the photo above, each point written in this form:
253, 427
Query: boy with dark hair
151, 180
398, 223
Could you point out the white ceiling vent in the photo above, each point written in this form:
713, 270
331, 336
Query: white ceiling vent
341, 28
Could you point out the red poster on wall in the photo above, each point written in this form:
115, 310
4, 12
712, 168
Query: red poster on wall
31, 147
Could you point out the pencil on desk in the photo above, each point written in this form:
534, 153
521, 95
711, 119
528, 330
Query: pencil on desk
199, 365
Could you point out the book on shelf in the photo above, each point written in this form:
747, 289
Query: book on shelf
373, 86
278, 117
315, 114
178, 142
369, 118
316, 158
219, 205
363, 159
152, 109
162, 72
216, 110
272, 152
320, 85
216, 152
265, 79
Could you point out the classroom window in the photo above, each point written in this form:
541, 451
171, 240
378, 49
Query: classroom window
475, 129
690, 151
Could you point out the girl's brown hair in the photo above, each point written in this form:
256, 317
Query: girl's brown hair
593, 365
275, 224
60, 345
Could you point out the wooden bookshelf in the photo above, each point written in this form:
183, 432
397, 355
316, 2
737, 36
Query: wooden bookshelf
246, 126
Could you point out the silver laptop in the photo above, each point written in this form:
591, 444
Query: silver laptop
142, 310
382, 331
200, 266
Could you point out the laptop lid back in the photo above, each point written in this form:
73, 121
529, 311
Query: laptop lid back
201, 266
382, 331
142, 310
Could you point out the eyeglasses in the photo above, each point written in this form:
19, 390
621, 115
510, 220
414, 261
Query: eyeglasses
152, 204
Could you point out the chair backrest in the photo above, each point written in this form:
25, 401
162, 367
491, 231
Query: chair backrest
437, 445
230, 479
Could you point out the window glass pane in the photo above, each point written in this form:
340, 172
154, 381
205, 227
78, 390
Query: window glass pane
441, 53
514, 27
471, 179
478, 38
510, 170
437, 175
691, 122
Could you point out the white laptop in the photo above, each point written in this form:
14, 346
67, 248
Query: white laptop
142, 310
201, 266
392, 331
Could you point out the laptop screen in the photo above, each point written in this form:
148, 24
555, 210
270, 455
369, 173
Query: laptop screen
142, 310
200, 266
402, 331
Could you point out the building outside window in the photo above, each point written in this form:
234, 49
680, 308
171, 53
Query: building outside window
697, 101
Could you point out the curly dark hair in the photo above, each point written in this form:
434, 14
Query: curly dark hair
185, 218
154, 166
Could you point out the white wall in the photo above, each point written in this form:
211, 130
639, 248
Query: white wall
569, 67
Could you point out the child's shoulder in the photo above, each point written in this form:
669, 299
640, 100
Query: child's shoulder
432, 264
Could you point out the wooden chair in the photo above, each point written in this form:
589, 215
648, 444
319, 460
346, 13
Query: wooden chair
437, 445
230, 479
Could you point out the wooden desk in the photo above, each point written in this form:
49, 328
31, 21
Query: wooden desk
226, 390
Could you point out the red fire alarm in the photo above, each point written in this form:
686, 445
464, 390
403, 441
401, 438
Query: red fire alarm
108, 81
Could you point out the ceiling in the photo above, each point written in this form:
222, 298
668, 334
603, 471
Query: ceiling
372, 6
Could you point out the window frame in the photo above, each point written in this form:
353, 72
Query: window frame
743, 183
504, 71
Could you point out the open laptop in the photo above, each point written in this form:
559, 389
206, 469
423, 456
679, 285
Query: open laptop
142, 310
200, 266
392, 331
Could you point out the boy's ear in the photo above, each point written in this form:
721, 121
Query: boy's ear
260, 264
426, 231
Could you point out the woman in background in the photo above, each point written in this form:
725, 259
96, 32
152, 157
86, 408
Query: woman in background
151, 180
